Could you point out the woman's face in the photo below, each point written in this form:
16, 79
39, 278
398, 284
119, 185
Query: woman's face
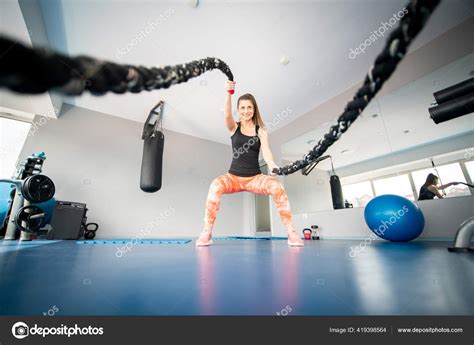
246, 110
435, 181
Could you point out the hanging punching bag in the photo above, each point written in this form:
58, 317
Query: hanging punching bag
152, 160
336, 192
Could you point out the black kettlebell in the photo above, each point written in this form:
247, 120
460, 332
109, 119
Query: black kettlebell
90, 230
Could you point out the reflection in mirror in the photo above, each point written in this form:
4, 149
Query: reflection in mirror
391, 149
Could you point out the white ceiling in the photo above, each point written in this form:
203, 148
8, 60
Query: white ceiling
401, 110
250, 36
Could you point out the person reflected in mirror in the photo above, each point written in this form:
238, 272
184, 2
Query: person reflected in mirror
430, 189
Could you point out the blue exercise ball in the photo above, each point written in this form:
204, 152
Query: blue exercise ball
394, 218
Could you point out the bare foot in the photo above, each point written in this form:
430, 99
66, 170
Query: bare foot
205, 239
294, 240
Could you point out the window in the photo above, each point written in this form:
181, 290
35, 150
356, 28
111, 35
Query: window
470, 169
447, 173
398, 185
408, 183
13, 134
358, 194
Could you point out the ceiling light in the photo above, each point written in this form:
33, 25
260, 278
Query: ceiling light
284, 60
406, 131
375, 115
193, 3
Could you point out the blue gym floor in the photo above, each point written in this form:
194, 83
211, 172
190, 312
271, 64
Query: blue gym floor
235, 278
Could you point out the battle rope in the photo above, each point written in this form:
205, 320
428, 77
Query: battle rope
27, 70
466, 184
395, 49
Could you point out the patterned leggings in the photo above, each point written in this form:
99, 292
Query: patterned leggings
260, 184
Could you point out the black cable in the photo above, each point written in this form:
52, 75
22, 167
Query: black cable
395, 49
32, 71
307, 170
466, 184
439, 176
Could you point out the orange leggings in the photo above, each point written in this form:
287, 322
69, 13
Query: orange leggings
260, 184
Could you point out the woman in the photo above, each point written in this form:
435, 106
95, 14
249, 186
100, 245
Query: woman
429, 190
248, 136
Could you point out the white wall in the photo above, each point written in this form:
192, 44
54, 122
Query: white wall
96, 158
442, 220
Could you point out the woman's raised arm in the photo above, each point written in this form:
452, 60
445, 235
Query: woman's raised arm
229, 119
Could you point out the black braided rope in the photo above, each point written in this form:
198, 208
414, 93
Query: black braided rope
33, 71
27, 70
395, 49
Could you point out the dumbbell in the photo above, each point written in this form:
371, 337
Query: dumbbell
28, 218
38, 188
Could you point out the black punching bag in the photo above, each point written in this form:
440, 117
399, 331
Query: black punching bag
336, 192
152, 160
152, 163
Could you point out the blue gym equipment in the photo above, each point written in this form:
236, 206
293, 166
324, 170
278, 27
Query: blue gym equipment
394, 218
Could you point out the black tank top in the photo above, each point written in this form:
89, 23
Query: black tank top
425, 193
245, 150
